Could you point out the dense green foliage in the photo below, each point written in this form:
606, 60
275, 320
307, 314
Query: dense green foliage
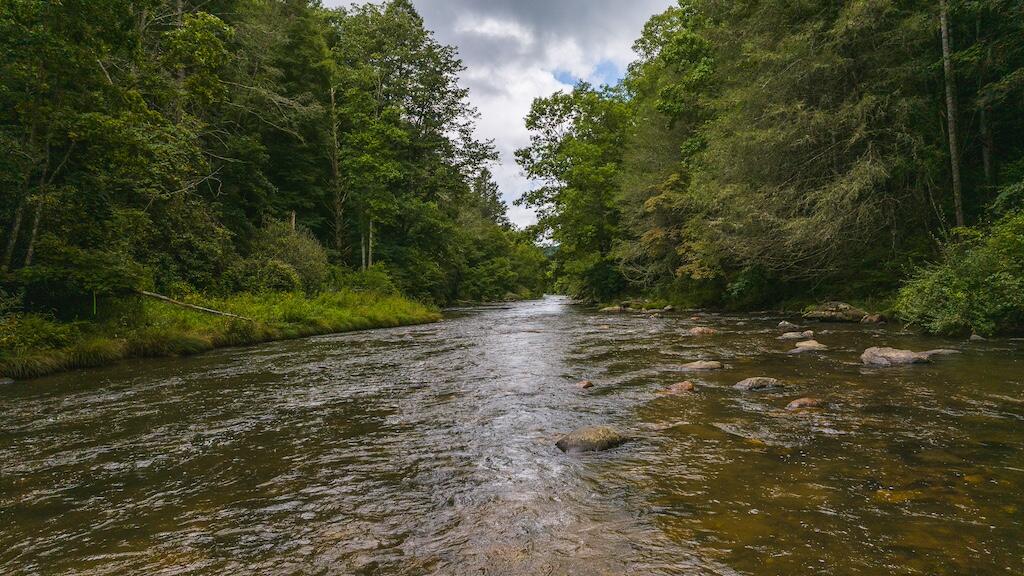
167, 144
978, 287
766, 151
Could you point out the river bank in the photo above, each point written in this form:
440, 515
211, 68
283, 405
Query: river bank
32, 346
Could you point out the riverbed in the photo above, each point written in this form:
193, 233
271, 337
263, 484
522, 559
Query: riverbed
430, 450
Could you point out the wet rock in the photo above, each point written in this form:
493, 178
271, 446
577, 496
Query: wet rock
977, 338
811, 345
584, 384
873, 319
701, 331
758, 383
6, 381
797, 335
613, 309
884, 356
679, 388
702, 365
591, 439
804, 404
835, 312
668, 308
784, 325
695, 318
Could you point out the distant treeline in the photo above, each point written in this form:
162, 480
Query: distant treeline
759, 152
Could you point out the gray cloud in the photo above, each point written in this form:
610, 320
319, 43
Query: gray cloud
513, 50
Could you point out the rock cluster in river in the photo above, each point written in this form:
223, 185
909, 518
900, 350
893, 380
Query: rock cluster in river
591, 439
835, 312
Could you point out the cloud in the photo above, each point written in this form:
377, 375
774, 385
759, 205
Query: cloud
518, 50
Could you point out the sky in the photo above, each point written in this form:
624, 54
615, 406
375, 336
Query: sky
518, 50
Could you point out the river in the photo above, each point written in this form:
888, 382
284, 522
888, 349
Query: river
430, 450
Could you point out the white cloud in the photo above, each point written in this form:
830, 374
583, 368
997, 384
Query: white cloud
513, 50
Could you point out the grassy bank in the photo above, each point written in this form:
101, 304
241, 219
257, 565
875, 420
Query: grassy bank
33, 345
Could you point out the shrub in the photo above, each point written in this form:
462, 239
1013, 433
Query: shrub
979, 285
298, 249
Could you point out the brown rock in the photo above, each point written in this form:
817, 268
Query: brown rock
804, 403
759, 383
811, 345
702, 365
591, 439
873, 319
679, 388
584, 384
701, 331
883, 356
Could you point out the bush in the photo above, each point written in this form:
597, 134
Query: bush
298, 249
979, 285
374, 279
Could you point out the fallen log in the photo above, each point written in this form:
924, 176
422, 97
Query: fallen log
193, 306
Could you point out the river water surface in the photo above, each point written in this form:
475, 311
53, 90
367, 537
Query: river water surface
430, 450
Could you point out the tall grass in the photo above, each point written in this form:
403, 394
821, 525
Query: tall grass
168, 330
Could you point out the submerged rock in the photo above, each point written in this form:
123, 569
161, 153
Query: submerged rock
701, 331
835, 312
811, 345
758, 383
797, 335
584, 384
883, 356
702, 365
679, 388
805, 403
590, 439
784, 325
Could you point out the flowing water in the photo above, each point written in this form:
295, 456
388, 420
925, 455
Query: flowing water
430, 450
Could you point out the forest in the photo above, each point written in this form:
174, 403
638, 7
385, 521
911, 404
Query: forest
221, 152
776, 153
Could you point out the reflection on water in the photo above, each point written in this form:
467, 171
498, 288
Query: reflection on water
430, 450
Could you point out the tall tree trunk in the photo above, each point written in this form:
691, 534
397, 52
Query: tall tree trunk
987, 142
362, 251
369, 259
951, 111
12, 239
35, 232
179, 15
339, 197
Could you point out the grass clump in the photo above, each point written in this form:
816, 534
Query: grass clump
33, 345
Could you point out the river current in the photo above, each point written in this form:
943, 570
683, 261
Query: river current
430, 450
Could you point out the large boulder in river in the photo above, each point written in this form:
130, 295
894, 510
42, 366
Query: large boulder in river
883, 356
835, 312
702, 365
759, 383
590, 439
